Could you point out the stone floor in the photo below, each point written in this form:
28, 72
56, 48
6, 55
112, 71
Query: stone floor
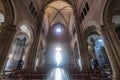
58, 74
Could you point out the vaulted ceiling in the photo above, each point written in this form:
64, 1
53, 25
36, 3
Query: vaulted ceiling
59, 11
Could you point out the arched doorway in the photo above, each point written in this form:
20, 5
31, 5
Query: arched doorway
19, 49
96, 48
97, 51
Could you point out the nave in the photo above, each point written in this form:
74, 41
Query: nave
73, 39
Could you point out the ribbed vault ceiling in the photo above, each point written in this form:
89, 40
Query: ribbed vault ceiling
59, 12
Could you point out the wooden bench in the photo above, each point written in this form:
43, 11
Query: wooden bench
35, 76
102, 79
76, 76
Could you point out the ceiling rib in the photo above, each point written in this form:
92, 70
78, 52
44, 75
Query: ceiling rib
59, 12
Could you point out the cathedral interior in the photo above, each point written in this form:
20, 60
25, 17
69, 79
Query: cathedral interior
59, 39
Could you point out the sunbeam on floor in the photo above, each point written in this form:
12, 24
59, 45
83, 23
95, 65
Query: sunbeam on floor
58, 74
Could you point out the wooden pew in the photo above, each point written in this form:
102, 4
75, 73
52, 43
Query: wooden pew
87, 77
35, 76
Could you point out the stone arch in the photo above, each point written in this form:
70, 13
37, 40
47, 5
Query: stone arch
91, 27
47, 3
30, 34
29, 27
91, 23
116, 22
6, 8
58, 12
112, 9
8, 12
94, 37
20, 46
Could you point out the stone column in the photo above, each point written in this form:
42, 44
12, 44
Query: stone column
110, 53
114, 41
85, 53
85, 61
6, 37
76, 58
40, 56
33, 49
32, 55
83, 46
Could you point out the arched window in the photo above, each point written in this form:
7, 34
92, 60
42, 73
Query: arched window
25, 29
85, 11
82, 16
19, 48
87, 7
116, 20
31, 5
1, 18
97, 51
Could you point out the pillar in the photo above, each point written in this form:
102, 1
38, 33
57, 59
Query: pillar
110, 52
7, 34
76, 58
83, 46
31, 58
85, 53
114, 41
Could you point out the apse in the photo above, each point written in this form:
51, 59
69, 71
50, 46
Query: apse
58, 47
58, 22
